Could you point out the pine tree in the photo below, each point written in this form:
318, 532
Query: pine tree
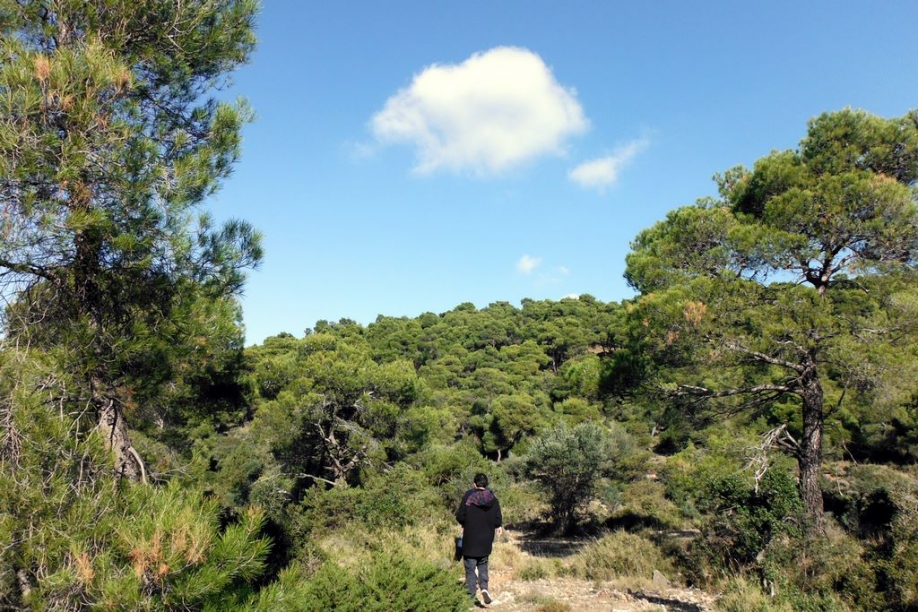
109, 142
794, 292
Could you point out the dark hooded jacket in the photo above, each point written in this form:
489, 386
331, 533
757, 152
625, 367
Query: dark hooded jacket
479, 514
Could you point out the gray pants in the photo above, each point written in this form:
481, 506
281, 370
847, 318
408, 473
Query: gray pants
472, 582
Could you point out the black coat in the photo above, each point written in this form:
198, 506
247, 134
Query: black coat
479, 514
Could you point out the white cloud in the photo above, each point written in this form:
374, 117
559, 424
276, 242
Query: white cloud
359, 150
527, 264
603, 172
495, 110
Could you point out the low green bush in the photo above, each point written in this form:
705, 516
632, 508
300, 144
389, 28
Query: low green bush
536, 568
554, 606
824, 573
451, 469
392, 582
396, 499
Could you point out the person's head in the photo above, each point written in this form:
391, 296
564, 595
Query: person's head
481, 481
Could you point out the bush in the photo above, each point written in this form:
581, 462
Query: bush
520, 503
822, 574
535, 569
397, 499
619, 554
389, 582
554, 606
743, 521
76, 537
569, 464
689, 473
451, 468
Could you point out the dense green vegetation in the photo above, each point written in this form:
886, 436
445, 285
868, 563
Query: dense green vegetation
759, 394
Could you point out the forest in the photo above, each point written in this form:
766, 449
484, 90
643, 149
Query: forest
758, 395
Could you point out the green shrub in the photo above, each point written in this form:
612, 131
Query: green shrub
829, 572
871, 565
520, 503
396, 499
451, 468
536, 568
742, 521
390, 582
568, 464
899, 571
80, 538
689, 473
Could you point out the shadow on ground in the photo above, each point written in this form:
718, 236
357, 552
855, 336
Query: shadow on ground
550, 546
670, 605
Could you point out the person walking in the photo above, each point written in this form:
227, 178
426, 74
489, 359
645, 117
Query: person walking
480, 517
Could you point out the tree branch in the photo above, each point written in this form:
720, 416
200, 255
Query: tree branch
708, 393
318, 479
765, 358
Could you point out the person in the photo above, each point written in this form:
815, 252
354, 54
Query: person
480, 517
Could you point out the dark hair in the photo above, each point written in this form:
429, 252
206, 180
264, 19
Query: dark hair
480, 480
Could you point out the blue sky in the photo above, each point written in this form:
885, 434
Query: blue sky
411, 156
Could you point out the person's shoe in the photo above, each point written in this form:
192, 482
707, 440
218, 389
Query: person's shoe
486, 597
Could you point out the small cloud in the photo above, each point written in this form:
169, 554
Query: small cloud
563, 270
603, 172
527, 264
358, 151
571, 296
493, 111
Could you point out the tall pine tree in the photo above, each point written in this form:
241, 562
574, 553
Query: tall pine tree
109, 141
795, 291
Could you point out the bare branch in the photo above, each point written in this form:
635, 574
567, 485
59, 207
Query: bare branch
708, 393
318, 479
757, 356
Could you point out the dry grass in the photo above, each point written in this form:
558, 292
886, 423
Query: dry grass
619, 560
742, 596
619, 555
553, 606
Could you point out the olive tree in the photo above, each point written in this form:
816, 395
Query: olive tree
569, 464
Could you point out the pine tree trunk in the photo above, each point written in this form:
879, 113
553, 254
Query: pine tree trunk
111, 423
810, 454
114, 429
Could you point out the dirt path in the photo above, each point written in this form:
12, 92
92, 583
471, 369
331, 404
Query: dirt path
513, 594
585, 596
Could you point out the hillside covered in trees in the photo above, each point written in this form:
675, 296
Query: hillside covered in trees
747, 424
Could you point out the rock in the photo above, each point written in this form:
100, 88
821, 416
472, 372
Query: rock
661, 581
